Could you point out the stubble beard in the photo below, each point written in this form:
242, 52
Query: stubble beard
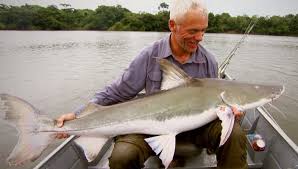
186, 48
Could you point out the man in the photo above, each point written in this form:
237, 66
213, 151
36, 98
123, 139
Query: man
188, 23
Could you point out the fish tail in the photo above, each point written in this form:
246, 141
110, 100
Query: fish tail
27, 120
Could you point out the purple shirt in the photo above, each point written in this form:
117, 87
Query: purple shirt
144, 73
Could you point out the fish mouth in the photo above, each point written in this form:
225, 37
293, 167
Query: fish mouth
239, 108
276, 95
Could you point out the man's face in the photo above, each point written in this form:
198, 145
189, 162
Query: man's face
190, 31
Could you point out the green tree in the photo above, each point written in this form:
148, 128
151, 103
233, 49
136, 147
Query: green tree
279, 26
211, 22
2, 26
292, 21
65, 5
106, 16
261, 26
33, 17
16, 17
162, 20
242, 23
50, 18
163, 6
131, 22
143, 22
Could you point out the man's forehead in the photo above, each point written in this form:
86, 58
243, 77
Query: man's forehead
192, 16
195, 22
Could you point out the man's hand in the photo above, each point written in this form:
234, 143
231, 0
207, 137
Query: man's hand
238, 114
60, 121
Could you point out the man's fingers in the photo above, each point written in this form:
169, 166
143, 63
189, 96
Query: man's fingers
59, 136
238, 114
236, 111
62, 135
65, 117
69, 116
60, 121
65, 135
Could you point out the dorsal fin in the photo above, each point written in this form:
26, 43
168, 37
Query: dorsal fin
173, 76
172, 70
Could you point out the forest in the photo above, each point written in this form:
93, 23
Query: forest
117, 18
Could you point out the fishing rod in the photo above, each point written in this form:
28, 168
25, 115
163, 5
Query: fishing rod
222, 68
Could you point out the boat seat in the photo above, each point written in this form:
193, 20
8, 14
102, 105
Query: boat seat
192, 155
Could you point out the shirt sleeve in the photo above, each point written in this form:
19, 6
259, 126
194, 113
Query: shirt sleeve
126, 86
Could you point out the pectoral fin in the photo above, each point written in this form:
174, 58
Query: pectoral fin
227, 117
163, 145
91, 146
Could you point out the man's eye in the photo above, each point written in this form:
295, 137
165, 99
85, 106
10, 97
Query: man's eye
196, 31
193, 32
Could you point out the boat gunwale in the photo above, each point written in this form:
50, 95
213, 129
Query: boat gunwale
55, 151
278, 129
275, 126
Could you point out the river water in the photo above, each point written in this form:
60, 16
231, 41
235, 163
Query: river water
57, 71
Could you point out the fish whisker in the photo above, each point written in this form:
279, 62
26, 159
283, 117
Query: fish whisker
271, 117
277, 109
293, 99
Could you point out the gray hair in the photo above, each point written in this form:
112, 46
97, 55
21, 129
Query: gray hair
178, 8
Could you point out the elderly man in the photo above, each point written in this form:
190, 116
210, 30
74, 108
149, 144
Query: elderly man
188, 23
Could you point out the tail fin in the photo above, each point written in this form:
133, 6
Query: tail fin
27, 121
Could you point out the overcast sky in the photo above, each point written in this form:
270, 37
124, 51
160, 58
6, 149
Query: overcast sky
233, 7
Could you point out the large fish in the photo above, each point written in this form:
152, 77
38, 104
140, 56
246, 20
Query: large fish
191, 104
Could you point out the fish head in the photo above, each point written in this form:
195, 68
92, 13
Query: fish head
245, 95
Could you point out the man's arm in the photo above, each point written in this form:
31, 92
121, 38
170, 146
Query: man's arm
126, 87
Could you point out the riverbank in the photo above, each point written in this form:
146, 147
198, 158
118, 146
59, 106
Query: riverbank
117, 18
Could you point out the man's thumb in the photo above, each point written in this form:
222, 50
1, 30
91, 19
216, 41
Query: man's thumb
59, 122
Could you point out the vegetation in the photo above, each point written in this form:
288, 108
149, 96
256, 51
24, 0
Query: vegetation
117, 18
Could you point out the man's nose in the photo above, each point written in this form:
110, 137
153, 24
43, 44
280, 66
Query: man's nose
199, 36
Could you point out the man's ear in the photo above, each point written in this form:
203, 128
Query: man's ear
172, 25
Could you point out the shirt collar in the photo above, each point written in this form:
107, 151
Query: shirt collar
165, 48
166, 51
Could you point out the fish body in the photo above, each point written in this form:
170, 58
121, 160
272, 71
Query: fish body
189, 105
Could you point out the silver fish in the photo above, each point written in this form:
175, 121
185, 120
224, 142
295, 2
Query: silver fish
191, 104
